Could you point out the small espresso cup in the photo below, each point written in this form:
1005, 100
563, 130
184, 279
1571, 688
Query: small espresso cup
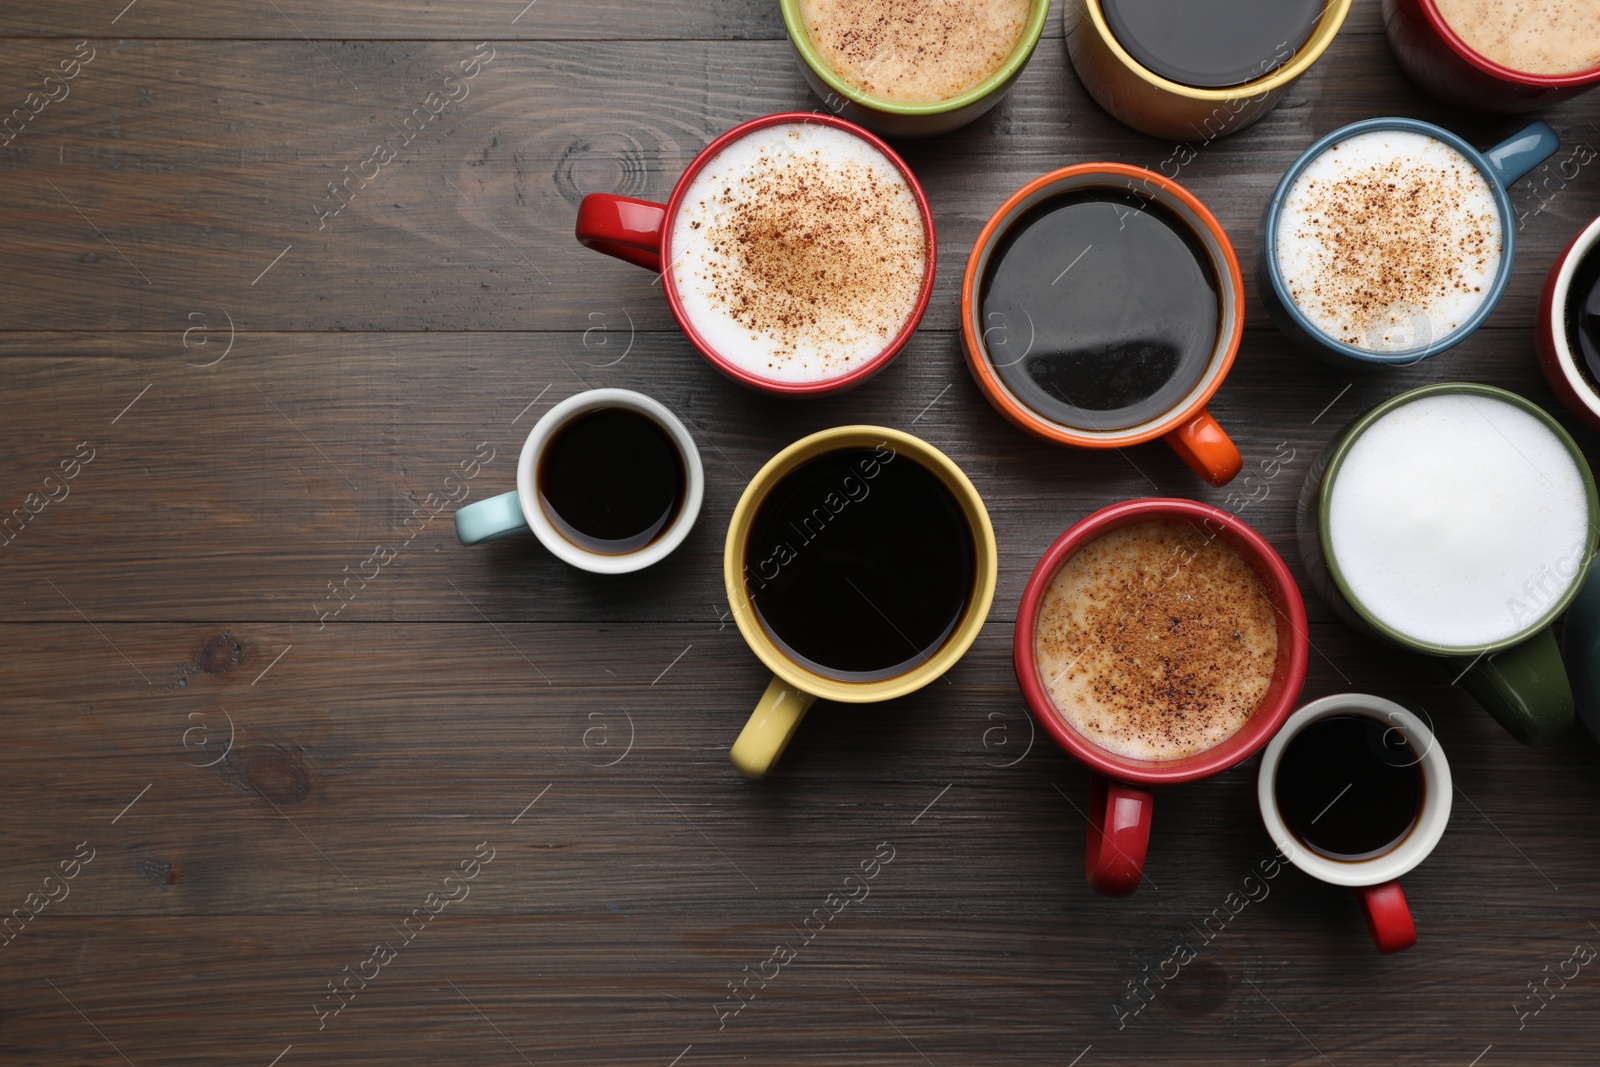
748, 568
990, 346
1402, 740
898, 118
1501, 167
527, 509
1150, 103
1555, 325
1436, 58
641, 232
1120, 789
1516, 674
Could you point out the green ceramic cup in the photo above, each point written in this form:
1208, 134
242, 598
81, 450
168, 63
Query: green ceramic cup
1520, 680
892, 119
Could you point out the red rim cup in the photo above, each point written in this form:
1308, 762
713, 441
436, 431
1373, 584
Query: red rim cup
1556, 357
640, 232
1120, 798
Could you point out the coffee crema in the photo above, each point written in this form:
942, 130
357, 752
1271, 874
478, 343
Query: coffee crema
1156, 642
1389, 241
914, 51
1458, 520
798, 252
1533, 36
1212, 44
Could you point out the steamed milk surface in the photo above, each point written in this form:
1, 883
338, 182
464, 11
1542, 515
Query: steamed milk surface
1458, 520
1389, 241
1533, 36
798, 252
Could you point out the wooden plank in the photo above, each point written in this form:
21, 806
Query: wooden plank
242, 490
135, 222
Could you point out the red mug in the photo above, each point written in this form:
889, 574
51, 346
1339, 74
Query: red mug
640, 232
1437, 59
1561, 365
1120, 799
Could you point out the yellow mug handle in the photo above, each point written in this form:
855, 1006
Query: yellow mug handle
771, 725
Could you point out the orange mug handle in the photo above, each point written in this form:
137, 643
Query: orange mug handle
1205, 446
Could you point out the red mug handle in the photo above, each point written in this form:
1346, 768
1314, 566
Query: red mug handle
1205, 446
623, 227
1119, 835
1387, 916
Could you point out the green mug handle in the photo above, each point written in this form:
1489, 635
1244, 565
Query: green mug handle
1525, 688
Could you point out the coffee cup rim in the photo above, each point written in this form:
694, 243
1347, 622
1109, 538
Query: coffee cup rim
1562, 272
563, 413
1268, 716
825, 385
985, 570
1033, 29
1230, 326
1328, 26
1502, 278
1446, 32
1339, 450
1425, 832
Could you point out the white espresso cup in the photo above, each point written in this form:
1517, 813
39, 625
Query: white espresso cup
523, 511
1374, 878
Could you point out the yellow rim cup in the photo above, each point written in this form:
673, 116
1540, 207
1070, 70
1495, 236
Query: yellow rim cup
794, 688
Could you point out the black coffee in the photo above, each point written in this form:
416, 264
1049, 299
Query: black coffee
1582, 316
860, 564
611, 481
1100, 309
1350, 787
1211, 44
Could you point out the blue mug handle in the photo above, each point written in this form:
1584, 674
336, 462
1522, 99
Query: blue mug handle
491, 519
1512, 159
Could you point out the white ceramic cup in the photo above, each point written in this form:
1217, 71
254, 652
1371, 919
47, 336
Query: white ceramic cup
1375, 880
515, 513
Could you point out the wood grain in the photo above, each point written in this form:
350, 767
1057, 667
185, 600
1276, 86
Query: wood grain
272, 787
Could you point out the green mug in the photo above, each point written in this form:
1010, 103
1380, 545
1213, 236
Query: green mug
895, 118
1416, 521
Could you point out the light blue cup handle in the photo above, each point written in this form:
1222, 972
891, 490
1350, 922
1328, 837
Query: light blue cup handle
491, 519
1511, 159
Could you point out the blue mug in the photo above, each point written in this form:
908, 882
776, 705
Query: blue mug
1501, 166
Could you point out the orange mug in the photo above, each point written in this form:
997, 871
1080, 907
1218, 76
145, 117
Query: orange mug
991, 346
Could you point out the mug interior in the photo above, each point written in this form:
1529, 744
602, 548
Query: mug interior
1335, 461
533, 510
967, 626
1583, 246
1269, 236
1200, 223
1426, 830
1038, 11
669, 282
1448, 34
1288, 672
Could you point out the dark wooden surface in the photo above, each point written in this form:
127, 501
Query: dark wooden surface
171, 600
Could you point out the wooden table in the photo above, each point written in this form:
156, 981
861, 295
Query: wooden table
270, 787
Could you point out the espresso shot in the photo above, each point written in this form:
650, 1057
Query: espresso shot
611, 481
860, 564
1101, 309
1350, 787
1212, 44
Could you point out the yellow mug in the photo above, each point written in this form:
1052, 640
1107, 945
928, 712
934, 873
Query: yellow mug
1145, 100
795, 687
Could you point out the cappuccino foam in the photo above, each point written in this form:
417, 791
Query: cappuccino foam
1156, 642
1533, 36
1389, 241
914, 51
798, 252
1458, 520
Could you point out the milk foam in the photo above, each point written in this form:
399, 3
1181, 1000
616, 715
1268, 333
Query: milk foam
1458, 520
1389, 241
798, 252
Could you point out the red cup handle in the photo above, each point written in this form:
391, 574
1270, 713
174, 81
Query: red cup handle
1204, 445
623, 227
1119, 835
1387, 916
